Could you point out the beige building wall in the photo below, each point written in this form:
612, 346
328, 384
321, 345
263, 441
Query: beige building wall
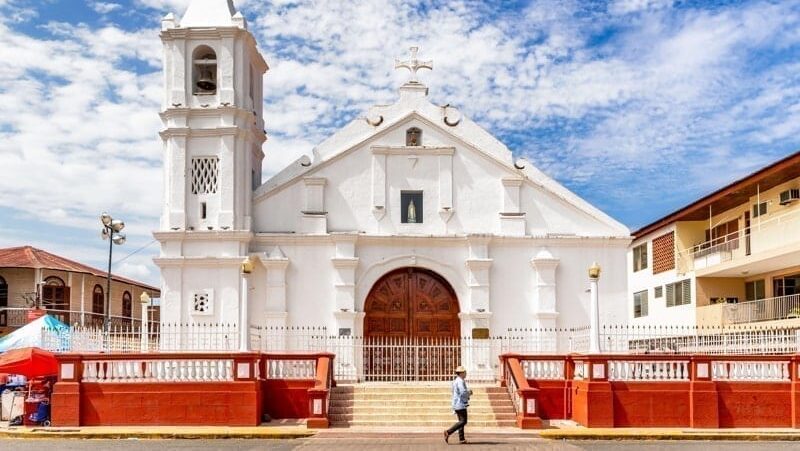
22, 280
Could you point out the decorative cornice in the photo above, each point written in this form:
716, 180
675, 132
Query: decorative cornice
528, 240
203, 235
413, 150
164, 262
474, 264
512, 181
314, 181
344, 262
171, 34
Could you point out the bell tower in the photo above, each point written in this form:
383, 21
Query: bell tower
212, 137
212, 115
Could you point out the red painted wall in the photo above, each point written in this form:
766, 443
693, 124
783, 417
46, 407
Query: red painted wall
754, 404
552, 398
651, 404
286, 398
221, 403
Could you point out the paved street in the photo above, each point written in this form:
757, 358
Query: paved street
354, 443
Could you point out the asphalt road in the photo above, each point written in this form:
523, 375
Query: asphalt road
374, 443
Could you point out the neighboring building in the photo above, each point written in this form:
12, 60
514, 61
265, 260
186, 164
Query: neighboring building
411, 221
732, 257
68, 290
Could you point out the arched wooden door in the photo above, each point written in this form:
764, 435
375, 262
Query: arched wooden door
411, 302
411, 327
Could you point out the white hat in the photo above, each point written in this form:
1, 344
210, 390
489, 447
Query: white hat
460, 369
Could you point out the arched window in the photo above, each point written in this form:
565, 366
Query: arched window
3, 302
98, 300
204, 71
55, 294
413, 137
3, 292
127, 305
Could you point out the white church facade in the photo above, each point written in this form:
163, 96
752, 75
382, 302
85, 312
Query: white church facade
410, 221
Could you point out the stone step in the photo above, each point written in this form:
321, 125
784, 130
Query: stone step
410, 389
419, 417
419, 403
432, 424
414, 410
417, 399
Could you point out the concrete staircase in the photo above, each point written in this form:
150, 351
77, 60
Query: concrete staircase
409, 405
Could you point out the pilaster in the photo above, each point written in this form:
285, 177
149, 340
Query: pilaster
344, 264
478, 281
543, 303
314, 218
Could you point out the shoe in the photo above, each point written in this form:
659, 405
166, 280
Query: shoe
446, 437
462, 442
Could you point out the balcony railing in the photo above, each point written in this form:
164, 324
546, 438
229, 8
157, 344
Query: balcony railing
18, 317
781, 307
771, 233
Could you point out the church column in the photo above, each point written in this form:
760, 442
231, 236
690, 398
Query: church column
446, 184
378, 185
543, 303
227, 160
476, 316
512, 220
345, 263
315, 218
226, 68
175, 168
276, 315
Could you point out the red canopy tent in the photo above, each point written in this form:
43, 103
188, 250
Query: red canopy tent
30, 362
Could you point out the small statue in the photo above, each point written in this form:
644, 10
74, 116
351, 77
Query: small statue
412, 212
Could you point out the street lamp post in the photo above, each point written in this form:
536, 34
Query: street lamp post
111, 231
594, 310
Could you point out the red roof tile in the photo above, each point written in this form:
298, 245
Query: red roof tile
31, 257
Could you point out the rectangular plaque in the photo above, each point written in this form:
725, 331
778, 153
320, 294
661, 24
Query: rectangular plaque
480, 332
344, 332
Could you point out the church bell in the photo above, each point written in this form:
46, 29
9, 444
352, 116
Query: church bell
206, 81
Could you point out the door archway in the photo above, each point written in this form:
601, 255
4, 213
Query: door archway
411, 302
411, 328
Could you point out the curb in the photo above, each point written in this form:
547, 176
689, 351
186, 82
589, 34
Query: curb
153, 435
670, 435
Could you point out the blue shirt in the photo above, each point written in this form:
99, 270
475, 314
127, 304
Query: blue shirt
460, 394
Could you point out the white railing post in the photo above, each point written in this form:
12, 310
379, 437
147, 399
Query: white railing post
244, 341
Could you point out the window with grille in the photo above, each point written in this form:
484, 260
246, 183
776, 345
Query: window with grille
679, 293
754, 290
640, 304
640, 257
203, 302
127, 305
658, 291
759, 209
3, 302
664, 253
204, 175
98, 300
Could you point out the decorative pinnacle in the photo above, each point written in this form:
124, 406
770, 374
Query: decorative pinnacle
413, 64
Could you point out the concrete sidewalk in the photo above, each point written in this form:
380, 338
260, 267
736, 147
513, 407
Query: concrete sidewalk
292, 430
581, 433
278, 430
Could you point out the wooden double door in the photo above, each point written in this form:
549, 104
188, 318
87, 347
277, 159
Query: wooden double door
411, 327
411, 302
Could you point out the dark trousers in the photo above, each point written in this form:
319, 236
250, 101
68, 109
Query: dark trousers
459, 426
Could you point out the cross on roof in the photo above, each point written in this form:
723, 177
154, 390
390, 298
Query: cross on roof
413, 64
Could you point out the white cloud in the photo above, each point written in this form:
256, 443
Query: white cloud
641, 93
105, 7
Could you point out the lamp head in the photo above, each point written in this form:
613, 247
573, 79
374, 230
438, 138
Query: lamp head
247, 266
105, 218
144, 298
118, 238
104, 233
117, 225
594, 271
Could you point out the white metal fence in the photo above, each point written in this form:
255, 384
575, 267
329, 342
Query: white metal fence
770, 309
731, 340
163, 337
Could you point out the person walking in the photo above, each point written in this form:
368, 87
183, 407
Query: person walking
461, 394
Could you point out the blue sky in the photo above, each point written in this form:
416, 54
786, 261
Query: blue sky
639, 106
